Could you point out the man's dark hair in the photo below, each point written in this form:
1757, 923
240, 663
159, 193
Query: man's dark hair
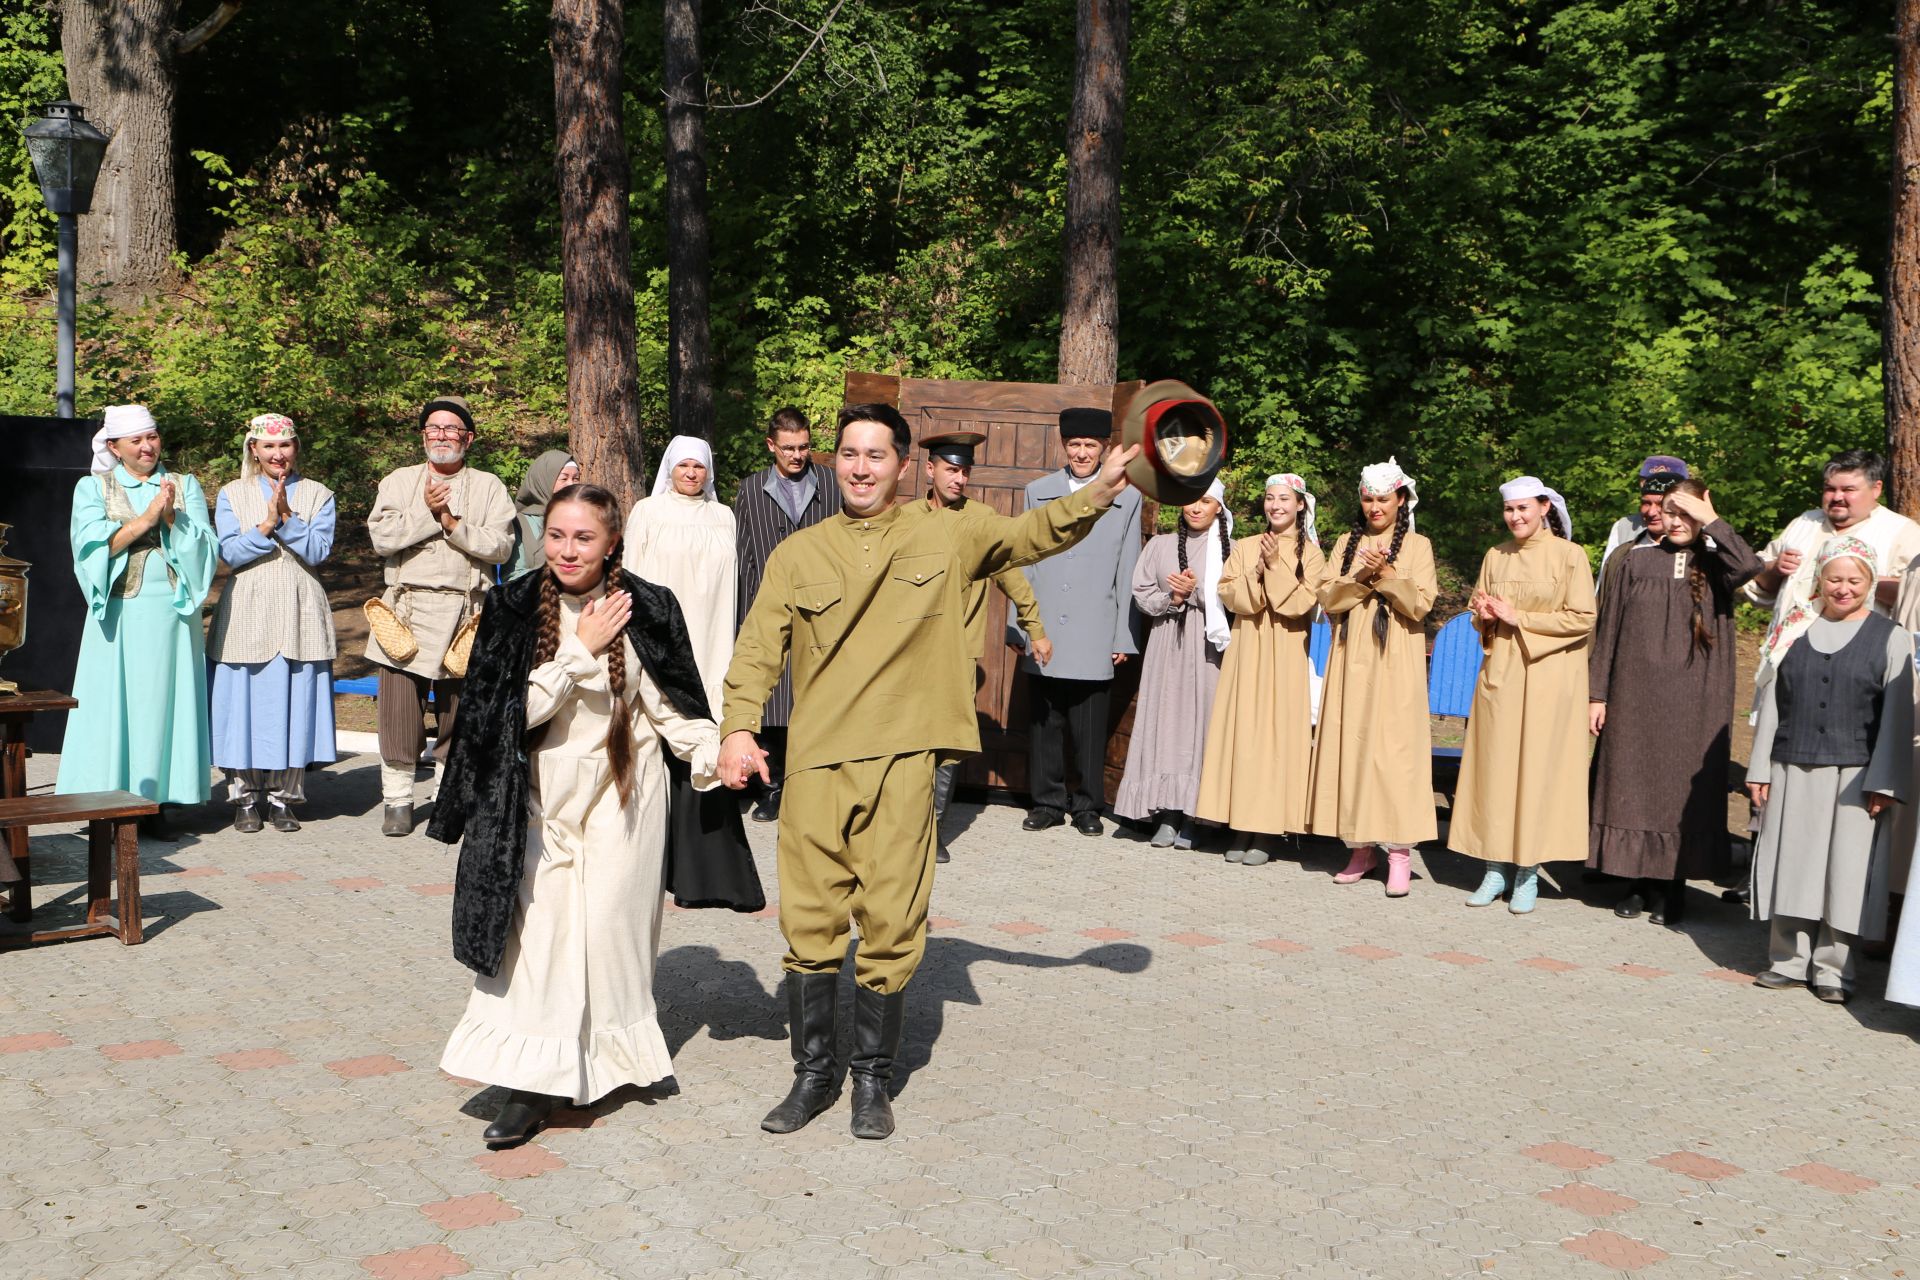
1870, 465
787, 419
884, 414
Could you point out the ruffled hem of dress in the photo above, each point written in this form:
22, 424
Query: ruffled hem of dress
1657, 855
561, 1067
1176, 792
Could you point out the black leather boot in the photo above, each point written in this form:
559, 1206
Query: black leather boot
812, 999
520, 1118
877, 1021
246, 816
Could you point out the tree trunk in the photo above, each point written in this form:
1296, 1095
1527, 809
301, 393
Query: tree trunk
120, 68
1900, 335
689, 365
1096, 133
590, 163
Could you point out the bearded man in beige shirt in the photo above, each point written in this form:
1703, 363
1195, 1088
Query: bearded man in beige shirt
441, 527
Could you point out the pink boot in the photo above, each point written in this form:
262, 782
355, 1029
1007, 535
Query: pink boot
1363, 861
1399, 871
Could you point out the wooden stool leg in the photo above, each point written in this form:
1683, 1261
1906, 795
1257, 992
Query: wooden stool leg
99, 869
19, 892
128, 860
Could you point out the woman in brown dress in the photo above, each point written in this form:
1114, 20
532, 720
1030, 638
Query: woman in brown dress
1660, 682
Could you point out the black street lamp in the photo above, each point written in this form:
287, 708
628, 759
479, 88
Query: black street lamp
66, 153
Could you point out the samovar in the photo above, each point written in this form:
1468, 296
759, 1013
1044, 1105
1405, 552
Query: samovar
13, 606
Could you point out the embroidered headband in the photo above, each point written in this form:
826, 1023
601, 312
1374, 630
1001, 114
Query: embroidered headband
1291, 481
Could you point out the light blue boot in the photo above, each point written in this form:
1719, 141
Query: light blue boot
1526, 889
1490, 888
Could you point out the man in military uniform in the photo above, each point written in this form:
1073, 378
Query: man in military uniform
1086, 596
949, 467
870, 606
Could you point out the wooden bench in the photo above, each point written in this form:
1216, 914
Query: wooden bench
113, 859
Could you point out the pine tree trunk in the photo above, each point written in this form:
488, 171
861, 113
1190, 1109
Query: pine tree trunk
120, 67
590, 163
689, 364
1900, 336
1090, 308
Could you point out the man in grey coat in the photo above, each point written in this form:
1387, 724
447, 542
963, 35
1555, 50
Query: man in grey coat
1086, 601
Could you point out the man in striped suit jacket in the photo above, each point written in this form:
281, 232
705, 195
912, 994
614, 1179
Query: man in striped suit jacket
794, 493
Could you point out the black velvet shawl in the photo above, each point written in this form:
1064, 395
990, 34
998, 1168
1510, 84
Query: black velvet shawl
482, 802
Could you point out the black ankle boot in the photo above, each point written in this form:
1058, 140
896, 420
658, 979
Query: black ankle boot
1673, 904
877, 1021
520, 1118
812, 999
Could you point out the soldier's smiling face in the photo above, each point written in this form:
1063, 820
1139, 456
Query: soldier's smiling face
868, 468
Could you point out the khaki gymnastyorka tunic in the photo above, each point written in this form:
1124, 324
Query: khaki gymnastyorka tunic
1523, 772
1373, 756
1258, 762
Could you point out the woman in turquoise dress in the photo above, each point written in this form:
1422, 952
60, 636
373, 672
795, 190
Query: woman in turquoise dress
144, 552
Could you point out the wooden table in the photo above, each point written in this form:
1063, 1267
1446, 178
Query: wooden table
113, 861
16, 711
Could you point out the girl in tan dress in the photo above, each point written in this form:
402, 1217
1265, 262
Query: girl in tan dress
1373, 758
1522, 797
1260, 739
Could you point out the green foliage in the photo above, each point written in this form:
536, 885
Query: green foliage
30, 77
1485, 237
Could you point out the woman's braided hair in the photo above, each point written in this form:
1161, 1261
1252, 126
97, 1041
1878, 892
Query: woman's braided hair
1553, 520
1299, 536
546, 640
1357, 531
1701, 638
1219, 523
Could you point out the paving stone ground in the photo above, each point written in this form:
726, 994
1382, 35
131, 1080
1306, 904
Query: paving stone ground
1124, 1062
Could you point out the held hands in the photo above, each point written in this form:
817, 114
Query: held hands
602, 621
1490, 608
1269, 547
278, 512
740, 758
1374, 565
437, 493
1181, 585
1596, 717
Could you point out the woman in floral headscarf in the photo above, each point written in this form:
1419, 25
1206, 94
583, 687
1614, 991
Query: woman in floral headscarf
1373, 758
1832, 751
1259, 753
272, 640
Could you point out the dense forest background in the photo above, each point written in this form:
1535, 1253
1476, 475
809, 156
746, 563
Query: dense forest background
1488, 236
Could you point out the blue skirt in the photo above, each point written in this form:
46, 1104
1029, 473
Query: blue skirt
272, 715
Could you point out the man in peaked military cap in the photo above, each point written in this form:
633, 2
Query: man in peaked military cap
949, 467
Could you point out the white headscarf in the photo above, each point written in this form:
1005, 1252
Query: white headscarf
267, 426
1219, 626
1534, 487
117, 423
1383, 478
678, 450
1299, 486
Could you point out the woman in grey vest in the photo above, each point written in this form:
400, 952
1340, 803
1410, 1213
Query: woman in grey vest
272, 640
1832, 751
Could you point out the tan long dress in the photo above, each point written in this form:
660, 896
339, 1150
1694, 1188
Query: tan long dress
1259, 757
1523, 771
1373, 759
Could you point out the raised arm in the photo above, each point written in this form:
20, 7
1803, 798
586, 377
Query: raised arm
1294, 595
399, 518
190, 547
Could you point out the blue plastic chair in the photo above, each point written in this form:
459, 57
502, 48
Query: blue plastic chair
1452, 672
1320, 644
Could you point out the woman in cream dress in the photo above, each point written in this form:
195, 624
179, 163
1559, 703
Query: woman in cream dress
563, 1006
681, 536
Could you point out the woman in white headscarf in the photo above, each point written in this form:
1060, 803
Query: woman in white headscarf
144, 552
1522, 798
1373, 755
682, 537
1253, 777
1176, 584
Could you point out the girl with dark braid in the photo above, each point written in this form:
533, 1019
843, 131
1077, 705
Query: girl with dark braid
1259, 753
1660, 682
582, 671
1176, 585
1373, 754
1522, 798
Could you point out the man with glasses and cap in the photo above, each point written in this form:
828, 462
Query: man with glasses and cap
441, 527
144, 552
949, 467
1086, 598
1658, 475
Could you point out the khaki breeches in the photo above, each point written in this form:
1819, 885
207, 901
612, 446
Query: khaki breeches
857, 842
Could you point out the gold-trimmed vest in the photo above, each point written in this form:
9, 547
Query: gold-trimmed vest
120, 511
274, 606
